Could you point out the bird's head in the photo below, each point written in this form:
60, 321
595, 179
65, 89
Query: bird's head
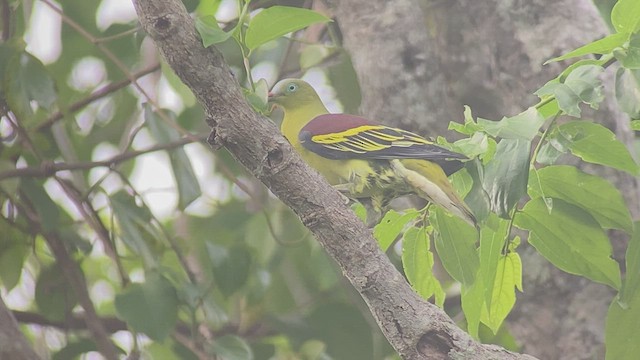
293, 93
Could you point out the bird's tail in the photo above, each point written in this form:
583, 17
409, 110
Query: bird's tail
431, 183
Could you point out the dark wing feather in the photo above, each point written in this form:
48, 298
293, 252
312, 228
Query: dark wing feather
341, 136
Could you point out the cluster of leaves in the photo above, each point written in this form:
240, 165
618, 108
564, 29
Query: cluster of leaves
565, 211
241, 281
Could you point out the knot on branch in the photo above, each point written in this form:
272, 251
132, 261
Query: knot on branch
213, 140
435, 344
275, 159
163, 25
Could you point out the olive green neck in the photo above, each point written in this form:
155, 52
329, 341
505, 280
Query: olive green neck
296, 117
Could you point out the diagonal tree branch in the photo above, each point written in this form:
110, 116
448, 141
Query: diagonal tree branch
415, 328
13, 344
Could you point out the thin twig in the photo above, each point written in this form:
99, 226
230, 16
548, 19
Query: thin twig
106, 90
47, 169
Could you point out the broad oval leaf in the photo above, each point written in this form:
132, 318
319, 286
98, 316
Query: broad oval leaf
622, 331
596, 144
508, 277
505, 176
185, 177
150, 307
492, 239
625, 16
391, 226
570, 239
628, 91
631, 284
455, 242
525, 125
276, 21
593, 194
417, 262
210, 31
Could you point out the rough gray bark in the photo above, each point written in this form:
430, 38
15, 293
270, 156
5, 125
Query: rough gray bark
416, 328
489, 55
13, 344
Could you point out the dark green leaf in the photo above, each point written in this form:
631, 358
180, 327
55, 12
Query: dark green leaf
344, 330
74, 349
150, 307
625, 16
276, 21
628, 91
133, 221
596, 144
210, 31
631, 282
635, 125
231, 266
391, 225
28, 80
622, 332
525, 125
417, 262
505, 176
14, 247
477, 199
54, 296
47, 210
456, 245
571, 239
344, 80
231, 347
188, 186
313, 55
602, 46
592, 193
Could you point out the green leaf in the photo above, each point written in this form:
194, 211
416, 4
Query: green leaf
231, 266
210, 31
570, 239
47, 210
232, 347
391, 225
508, 277
477, 199
582, 85
631, 282
593, 194
478, 145
28, 80
602, 46
208, 7
186, 180
635, 125
133, 221
622, 331
625, 16
313, 55
596, 144
258, 99
456, 245
492, 238
417, 262
629, 57
150, 307
276, 21
525, 125
472, 300
505, 176
344, 80
53, 294
628, 91
14, 247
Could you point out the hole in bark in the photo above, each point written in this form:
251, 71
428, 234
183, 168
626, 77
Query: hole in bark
434, 345
162, 23
274, 157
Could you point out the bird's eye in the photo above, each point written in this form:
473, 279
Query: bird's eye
292, 87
